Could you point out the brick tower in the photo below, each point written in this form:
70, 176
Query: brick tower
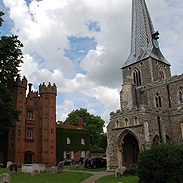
47, 125
16, 135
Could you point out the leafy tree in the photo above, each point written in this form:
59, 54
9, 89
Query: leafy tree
10, 60
93, 123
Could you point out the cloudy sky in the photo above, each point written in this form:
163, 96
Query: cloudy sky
80, 45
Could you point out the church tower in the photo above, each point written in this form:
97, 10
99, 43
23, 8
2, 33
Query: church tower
151, 101
145, 64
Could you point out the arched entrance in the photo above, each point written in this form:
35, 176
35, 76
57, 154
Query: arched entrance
130, 149
28, 158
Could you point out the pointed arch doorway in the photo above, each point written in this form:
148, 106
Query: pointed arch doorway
130, 149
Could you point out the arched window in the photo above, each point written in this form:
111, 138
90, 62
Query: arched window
181, 94
158, 100
137, 77
136, 120
117, 124
156, 140
161, 73
126, 122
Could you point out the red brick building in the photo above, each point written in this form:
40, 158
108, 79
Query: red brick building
33, 138
72, 141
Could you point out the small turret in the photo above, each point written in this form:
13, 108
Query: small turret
43, 89
21, 82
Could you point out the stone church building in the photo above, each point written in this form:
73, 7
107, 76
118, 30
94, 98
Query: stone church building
151, 100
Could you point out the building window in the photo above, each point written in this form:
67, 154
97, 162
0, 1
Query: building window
29, 134
126, 122
68, 140
117, 124
136, 120
72, 154
161, 73
158, 100
181, 94
82, 153
29, 115
82, 141
137, 77
65, 154
181, 126
19, 132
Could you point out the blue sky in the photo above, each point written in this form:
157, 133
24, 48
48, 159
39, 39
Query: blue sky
81, 45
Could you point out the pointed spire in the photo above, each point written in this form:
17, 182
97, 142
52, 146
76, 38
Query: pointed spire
144, 42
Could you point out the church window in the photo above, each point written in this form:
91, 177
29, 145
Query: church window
137, 77
136, 120
117, 124
29, 134
168, 139
181, 125
161, 73
158, 100
156, 140
126, 122
68, 140
181, 94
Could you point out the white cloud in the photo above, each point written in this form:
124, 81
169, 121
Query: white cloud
44, 27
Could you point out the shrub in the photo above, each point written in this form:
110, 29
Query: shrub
161, 164
131, 170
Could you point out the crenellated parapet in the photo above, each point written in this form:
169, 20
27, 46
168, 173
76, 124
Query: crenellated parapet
47, 89
21, 82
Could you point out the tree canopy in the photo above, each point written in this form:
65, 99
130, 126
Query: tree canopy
93, 123
10, 60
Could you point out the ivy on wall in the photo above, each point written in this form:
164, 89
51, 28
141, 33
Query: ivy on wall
75, 136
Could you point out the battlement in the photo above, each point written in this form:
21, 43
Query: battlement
47, 89
21, 82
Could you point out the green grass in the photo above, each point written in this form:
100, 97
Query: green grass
81, 168
113, 179
67, 176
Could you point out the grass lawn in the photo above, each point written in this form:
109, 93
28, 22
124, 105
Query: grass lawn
113, 179
74, 177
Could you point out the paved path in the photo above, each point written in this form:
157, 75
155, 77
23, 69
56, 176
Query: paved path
95, 176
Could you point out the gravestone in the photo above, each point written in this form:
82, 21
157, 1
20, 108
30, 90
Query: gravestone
60, 167
53, 170
35, 172
13, 169
119, 171
8, 164
5, 178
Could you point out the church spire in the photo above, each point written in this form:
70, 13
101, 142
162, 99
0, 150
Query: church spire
144, 40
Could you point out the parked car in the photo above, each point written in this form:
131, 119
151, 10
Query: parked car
95, 162
65, 161
1, 165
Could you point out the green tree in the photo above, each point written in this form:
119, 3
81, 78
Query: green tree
10, 60
93, 123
